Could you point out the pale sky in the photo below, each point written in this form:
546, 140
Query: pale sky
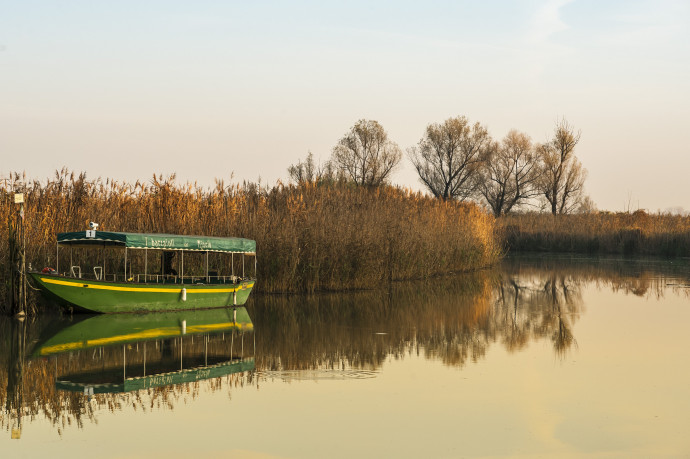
207, 89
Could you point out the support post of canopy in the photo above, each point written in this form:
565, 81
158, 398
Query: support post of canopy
232, 266
125, 264
182, 269
146, 263
242, 265
207, 278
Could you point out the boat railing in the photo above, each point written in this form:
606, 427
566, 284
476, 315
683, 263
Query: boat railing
98, 274
175, 279
76, 271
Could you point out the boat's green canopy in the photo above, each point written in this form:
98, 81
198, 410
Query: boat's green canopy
157, 241
104, 382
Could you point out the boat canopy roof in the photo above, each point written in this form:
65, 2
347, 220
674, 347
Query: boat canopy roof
158, 241
115, 381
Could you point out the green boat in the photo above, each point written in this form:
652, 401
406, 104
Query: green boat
113, 272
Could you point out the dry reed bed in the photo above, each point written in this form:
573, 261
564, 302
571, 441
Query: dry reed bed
628, 233
309, 238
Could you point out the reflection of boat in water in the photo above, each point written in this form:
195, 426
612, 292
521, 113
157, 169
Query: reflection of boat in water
126, 352
91, 383
103, 330
143, 277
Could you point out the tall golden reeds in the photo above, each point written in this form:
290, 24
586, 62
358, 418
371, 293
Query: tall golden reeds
309, 237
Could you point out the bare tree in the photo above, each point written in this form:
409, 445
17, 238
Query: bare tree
365, 154
308, 171
510, 173
563, 177
586, 206
449, 156
303, 172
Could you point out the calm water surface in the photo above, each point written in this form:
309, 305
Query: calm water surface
543, 357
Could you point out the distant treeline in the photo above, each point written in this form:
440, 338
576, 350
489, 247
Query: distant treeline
327, 236
458, 160
627, 233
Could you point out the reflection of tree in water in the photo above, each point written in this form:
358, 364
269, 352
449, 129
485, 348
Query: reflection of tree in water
542, 296
535, 307
639, 277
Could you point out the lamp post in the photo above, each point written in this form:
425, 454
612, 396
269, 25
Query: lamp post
18, 260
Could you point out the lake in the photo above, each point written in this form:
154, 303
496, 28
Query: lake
543, 356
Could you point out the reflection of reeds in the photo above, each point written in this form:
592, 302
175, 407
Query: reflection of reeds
309, 237
40, 398
600, 232
444, 319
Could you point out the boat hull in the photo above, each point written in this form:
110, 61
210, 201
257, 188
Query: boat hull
117, 297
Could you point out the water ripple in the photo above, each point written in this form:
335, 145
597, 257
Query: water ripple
316, 375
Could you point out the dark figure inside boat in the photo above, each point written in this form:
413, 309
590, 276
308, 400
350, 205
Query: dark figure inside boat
167, 263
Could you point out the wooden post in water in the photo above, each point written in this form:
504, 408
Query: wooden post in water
11, 242
17, 246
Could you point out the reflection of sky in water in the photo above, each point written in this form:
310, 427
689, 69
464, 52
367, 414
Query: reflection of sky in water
444, 380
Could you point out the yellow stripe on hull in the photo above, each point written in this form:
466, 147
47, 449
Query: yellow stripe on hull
109, 297
175, 289
143, 335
